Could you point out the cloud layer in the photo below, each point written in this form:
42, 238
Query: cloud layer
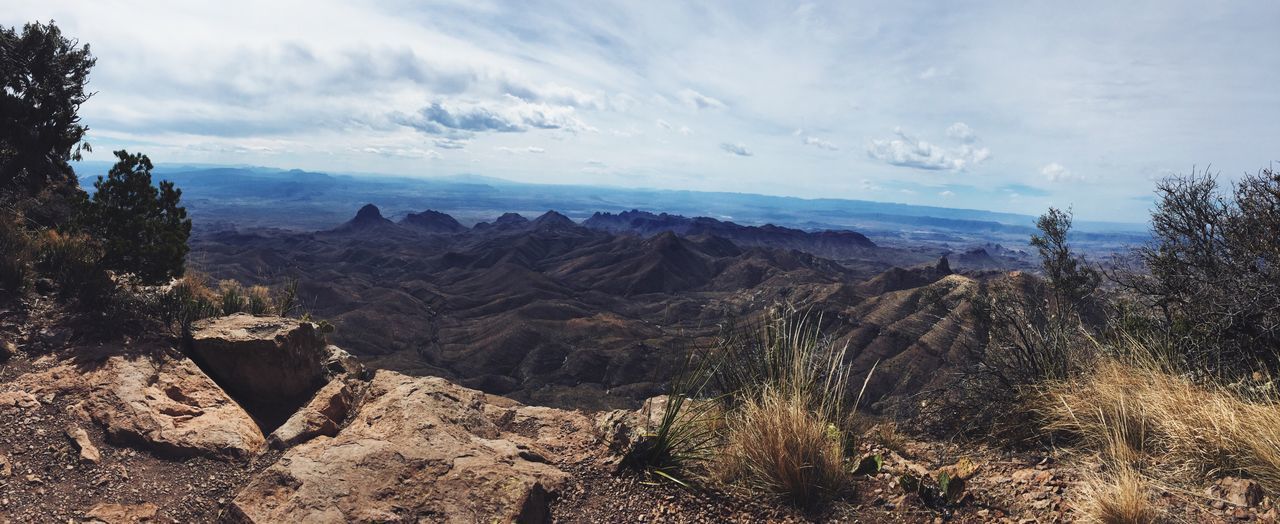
666, 93
907, 151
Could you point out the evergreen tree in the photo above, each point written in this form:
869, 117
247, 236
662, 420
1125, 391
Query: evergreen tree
143, 229
42, 85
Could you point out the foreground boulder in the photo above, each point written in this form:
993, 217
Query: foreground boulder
152, 400
322, 415
423, 449
261, 357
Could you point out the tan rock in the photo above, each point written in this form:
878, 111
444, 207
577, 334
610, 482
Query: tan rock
8, 350
123, 513
88, 452
323, 415
6, 466
157, 402
421, 448
261, 359
1240, 492
19, 399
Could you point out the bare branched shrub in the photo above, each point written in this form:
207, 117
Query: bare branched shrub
1037, 330
1213, 270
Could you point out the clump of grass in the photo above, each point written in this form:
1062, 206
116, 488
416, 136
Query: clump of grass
184, 301
1131, 405
1121, 497
766, 411
16, 249
777, 445
232, 298
258, 301
788, 435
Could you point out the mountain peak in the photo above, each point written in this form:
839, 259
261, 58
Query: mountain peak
511, 219
433, 221
369, 213
553, 219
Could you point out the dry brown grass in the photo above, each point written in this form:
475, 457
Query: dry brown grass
1140, 414
1121, 497
785, 434
777, 444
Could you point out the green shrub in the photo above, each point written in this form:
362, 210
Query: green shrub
258, 301
74, 262
15, 257
142, 228
185, 301
231, 297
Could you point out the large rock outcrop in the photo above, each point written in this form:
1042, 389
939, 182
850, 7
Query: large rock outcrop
263, 362
422, 449
151, 400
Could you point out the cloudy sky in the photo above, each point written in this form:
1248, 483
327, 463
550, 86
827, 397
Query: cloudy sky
1008, 106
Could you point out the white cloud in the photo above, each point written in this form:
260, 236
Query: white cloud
698, 100
295, 84
1056, 172
820, 143
961, 131
515, 150
737, 149
908, 151
682, 130
449, 143
402, 152
513, 115
947, 194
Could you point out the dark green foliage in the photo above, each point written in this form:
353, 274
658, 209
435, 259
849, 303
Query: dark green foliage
143, 230
1071, 281
1036, 329
1213, 270
16, 249
42, 85
74, 262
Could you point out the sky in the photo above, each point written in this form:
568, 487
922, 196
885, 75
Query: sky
1007, 106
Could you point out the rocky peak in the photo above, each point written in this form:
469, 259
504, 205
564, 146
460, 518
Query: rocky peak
433, 222
553, 219
510, 220
369, 213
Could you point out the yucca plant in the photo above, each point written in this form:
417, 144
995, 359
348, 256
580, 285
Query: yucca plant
686, 435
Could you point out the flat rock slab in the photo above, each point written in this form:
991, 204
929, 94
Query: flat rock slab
153, 401
422, 449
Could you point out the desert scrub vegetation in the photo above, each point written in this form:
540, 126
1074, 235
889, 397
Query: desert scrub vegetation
1140, 412
766, 411
1178, 388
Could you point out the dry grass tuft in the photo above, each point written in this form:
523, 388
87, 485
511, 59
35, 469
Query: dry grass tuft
786, 433
1123, 497
1141, 414
777, 444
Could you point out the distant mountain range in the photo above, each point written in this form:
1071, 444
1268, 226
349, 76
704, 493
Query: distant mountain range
595, 314
253, 196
